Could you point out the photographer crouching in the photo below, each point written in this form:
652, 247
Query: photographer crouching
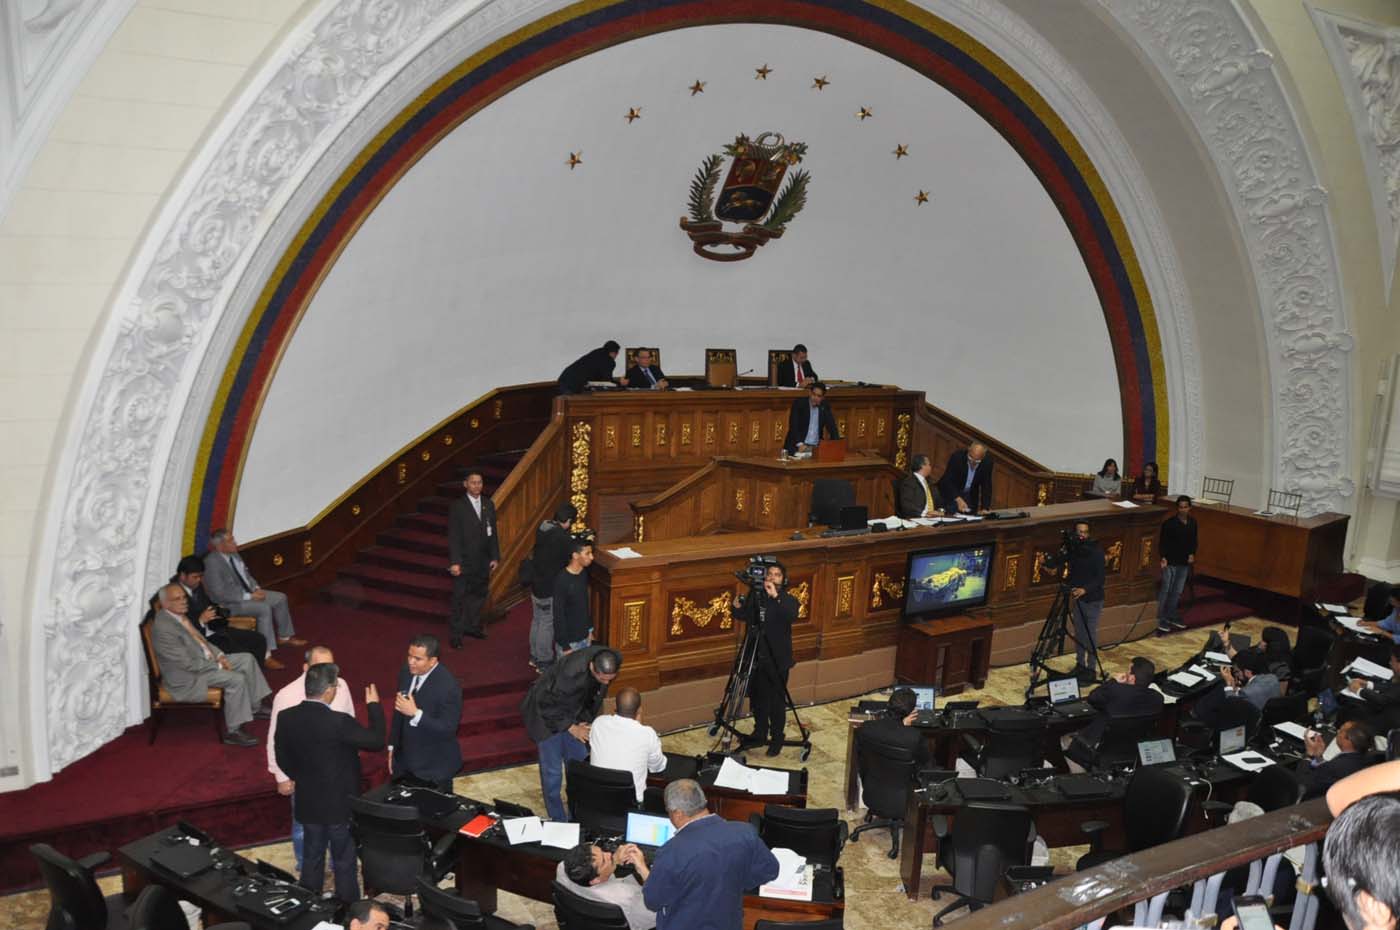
771, 610
1086, 577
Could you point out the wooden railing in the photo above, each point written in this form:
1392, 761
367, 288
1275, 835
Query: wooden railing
1142, 880
529, 495
1018, 479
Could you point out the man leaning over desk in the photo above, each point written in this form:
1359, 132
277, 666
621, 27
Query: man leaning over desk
809, 418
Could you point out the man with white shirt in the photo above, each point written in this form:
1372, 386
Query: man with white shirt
916, 497
621, 741
232, 586
427, 711
474, 551
289, 696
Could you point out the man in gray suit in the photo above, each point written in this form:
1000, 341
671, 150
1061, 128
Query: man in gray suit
233, 587
190, 666
916, 497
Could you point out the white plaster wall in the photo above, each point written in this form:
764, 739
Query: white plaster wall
491, 262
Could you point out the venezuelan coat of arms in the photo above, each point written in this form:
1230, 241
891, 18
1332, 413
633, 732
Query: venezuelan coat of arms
752, 196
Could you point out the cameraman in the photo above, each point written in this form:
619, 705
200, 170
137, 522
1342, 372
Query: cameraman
1086, 576
768, 683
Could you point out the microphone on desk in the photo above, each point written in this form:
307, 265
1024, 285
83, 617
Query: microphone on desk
743, 373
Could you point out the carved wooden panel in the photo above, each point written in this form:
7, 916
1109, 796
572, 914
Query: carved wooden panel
1112, 554
845, 596
800, 586
732, 426
1042, 574
1010, 572
692, 614
634, 614
887, 586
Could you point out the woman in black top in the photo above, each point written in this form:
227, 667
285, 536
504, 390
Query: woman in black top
1146, 487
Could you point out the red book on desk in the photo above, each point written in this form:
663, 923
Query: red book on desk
478, 825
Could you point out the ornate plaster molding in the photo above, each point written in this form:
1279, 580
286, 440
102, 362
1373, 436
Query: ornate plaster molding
1225, 81
1366, 57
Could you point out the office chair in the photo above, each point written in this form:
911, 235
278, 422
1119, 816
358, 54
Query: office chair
886, 778
1377, 604
1217, 489
829, 495
599, 798
1013, 742
459, 913
1200, 735
1118, 743
1155, 808
1312, 650
394, 850
1290, 708
1273, 788
158, 908
816, 833
75, 901
984, 841
575, 912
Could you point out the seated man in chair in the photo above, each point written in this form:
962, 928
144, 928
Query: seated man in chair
1128, 694
894, 727
212, 619
590, 872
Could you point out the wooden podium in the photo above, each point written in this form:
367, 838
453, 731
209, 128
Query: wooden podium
950, 652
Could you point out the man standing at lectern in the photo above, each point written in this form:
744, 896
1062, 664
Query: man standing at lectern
966, 485
809, 418
474, 551
916, 497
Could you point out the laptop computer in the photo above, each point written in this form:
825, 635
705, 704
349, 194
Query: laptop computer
1064, 698
648, 829
1230, 740
1156, 752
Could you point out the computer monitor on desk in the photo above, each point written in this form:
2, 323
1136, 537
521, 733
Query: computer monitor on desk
831, 450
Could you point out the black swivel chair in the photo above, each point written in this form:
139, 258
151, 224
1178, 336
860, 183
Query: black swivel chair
1273, 788
394, 850
817, 833
1289, 708
158, 908
75, 901
599, 798
459, 913
1118, 743
1200, 735
1392, 745
886, 778
985, 840
1155, 808
1014, 742
1311, 651
575, 912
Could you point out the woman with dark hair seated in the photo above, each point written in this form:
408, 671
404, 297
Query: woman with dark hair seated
1147, 487
1107, 481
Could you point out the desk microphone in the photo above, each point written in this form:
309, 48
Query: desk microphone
743, 373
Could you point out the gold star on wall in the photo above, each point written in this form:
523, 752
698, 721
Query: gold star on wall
864, 113
697, 88
921, 197
633, 113
900, 151
820, 83
761, 74
575, 159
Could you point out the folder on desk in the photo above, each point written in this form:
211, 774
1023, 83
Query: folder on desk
478, 825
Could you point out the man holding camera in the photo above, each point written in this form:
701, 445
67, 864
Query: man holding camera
775, 611
1086, 579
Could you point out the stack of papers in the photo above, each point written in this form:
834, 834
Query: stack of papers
1353, 624
1365, 668
524, 830
1202, 672
1126, 505
1185, 679
1339, 609
894, 523
625, 552
755, 781
560, 835
1249, 760
1218, 657
1295, 730
794, 881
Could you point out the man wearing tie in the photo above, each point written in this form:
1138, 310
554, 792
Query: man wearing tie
427, 711
474, 551
233, 587
796, 371
966, 485
808, 419
916, 497
643, 374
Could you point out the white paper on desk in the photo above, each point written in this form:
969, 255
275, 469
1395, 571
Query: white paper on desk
794, 881
327, 925
524, 830
1166, 698
1249, 760
893, 523
1265, 513
734, 775
625, 552
1353, 624
1334, 608
561, 835
1126, 505
1365, 668
1220, 657
926, 521
1295, 730
768, 781
1185, 679
1348, 693
1204, 673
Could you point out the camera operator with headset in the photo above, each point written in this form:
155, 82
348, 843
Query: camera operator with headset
1086, 578
774, 611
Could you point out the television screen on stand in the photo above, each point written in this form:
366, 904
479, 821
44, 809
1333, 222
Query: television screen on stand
947, 580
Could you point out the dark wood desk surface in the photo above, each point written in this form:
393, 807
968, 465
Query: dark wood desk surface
1285, 555
730, 803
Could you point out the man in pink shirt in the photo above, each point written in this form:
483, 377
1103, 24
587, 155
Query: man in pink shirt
295, 693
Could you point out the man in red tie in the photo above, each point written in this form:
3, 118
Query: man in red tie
796, 371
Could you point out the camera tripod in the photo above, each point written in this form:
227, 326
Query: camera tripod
1058, 625
753, 653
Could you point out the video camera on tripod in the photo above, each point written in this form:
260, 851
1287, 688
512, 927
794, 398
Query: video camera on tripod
754, 573
1070, 545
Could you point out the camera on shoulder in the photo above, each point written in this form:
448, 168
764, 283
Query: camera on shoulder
754, 573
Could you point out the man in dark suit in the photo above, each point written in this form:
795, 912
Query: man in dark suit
966, 485
212, 620
645, 375
558, 709
796, 371
698, 879
916, 497
1354, 739
474, 551
809, 419
595, 365
768, 683
427, 711
1128, 694
895, 728
319, 749
1378, 706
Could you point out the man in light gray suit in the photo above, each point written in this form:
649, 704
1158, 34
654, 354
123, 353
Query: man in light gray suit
190, 666
233, 587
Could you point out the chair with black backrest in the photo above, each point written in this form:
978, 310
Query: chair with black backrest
459, 913
158, 908
1013, 742
1273, 788
815, 833
394, 849
831, 923
1155, 809
1200, 736
599, 798
985, 839
1291, 708
1392, 745
829, 495
75, 901
886, 778
1119, 743
1312, 649
575, 912
1376, 606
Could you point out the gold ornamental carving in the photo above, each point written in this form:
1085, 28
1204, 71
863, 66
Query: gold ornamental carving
661, 433
901, 441
277, 559
845, 593
733, 432
354, 510
497, 408
685, 434
1040, 571
710, 433
306, 552
639, 527
841, 426
1013, 563
632, 613
879, 427
448, 440
1113, 557
610, 437
475, 423
739, 499
580, 449
718, 608
884, 586
425, 455
755, 431
1042, 494
1037, 565
1146, 553
779, 430
636, 435
766, 505
860, 427
803, 593
401, 472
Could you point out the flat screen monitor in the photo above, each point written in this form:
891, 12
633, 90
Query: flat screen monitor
1156, 752
923, 696
648, 829
1064, 690
939, 581
1231, 740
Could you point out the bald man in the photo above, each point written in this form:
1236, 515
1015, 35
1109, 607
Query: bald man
966, 484
621, 741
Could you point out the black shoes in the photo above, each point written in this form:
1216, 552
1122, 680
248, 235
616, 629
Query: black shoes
476, 634
774, 749
455, 642
236, 737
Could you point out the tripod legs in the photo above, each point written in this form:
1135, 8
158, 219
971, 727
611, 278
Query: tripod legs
755, 676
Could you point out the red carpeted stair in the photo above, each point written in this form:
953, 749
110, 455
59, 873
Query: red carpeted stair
391, 591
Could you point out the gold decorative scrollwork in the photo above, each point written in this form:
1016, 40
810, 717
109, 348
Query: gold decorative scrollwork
1113, 556
580, 450
355, 510
779, 430
401, 473
714, 356
639, 527
841, 426
277, 559
1146, 553
1040, 571
1037, 565
425, 455
733, 432
610, 437
885, 586
1013, 562
803, 593
879, 427
685, 434
448, 440
901, 441
709, 434
739, 499
755, 431
636, 434
306, 558
1042, 494
718, 607
766, 504
845, 593
860, 427
497, 408
475, 423
661, 433
632, 611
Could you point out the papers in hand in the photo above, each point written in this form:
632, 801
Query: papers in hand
755, 781
1353, 624
561, 835
524, 830
1365, 668
1249, 760
794, 881
625, 552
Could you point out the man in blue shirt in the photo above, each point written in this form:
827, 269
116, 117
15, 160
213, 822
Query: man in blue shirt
698, 878
1390, 626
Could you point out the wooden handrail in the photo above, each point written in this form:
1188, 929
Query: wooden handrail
937, 416
531, 492
679, 489
1077, 899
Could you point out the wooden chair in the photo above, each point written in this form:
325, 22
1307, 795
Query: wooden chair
1217, 489
163, 701
775, 358
1285, 502
721, 367
632, 356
